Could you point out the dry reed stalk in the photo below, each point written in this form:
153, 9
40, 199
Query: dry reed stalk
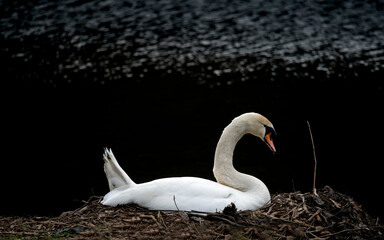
314, 157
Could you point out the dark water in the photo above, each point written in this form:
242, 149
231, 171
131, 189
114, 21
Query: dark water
213, 42
157, 81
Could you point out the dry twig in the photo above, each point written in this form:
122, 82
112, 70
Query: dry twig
289, 215
314, 156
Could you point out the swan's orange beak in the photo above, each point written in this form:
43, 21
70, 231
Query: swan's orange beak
269, 142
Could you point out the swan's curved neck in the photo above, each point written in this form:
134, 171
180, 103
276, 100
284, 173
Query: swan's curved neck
223, 169
226, 145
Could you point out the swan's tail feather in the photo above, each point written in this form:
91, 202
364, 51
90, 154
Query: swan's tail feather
115, 174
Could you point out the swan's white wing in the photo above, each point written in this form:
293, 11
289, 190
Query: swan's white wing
115, 174
190, 193
184, 193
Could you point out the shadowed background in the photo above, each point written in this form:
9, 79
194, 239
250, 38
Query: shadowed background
157, 81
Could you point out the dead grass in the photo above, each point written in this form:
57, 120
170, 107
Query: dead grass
330, 215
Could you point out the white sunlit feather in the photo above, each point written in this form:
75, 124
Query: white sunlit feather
115, 174
192, 193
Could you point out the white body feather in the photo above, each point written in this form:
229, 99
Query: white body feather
186, 194
191, 193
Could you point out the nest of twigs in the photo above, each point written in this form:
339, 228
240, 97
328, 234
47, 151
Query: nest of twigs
330, 215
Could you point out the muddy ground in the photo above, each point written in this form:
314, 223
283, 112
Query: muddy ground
330, 215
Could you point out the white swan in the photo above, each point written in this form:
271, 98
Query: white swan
192, 193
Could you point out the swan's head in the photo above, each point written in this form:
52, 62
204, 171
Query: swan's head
259, 126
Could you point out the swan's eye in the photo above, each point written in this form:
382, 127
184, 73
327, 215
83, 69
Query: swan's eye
269, 130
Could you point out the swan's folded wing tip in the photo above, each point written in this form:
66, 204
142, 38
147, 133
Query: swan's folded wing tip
107, 150
107, 155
